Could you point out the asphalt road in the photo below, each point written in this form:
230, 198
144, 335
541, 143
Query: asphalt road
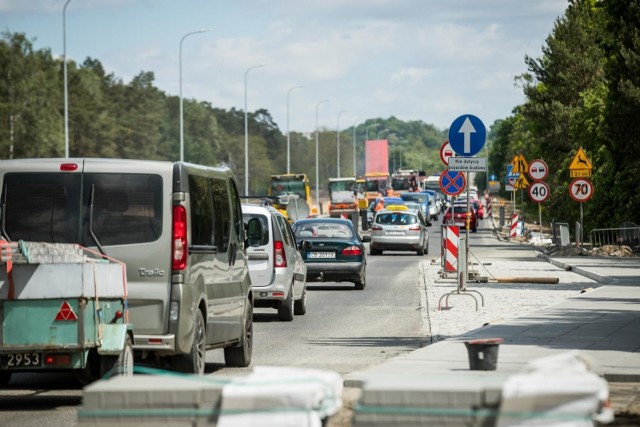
344, 330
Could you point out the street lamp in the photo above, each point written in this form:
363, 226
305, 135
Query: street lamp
338, 138
180, 78
383, 130
246, 132
355, 126
66, 90
366, 137
317, 167
288, 139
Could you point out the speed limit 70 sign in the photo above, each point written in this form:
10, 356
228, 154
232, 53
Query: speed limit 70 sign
539, 191
581, 190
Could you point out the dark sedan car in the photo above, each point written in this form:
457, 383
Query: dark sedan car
336, 253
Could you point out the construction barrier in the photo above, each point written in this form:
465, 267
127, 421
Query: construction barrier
450, 243
487, 207
514, 226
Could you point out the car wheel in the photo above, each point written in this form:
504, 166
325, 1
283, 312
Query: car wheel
193, 362
300, 306
420, 251
426, 250
240, 355
373, 251
121, 364
285, 311
362, 283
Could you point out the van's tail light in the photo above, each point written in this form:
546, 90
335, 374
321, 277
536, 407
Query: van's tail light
352, 251
376, 228
414, 228
278, 254
179, 242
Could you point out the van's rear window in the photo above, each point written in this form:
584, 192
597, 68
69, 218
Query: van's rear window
58, 208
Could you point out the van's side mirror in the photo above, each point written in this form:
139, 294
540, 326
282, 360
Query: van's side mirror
254, 232
366, 238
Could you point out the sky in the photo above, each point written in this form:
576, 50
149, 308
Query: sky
427, 60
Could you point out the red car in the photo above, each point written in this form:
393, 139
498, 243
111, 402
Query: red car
460, 216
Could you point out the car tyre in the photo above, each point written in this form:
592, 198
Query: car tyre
420, 251
5, 377
286, 309
194, 361
119, 365
362, 283
240, 355
300, 306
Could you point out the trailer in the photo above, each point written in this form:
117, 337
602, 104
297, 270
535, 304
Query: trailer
63, 308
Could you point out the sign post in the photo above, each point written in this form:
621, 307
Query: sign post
467, 136
581, 188
539, 190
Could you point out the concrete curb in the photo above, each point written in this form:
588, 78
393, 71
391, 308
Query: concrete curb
579, 270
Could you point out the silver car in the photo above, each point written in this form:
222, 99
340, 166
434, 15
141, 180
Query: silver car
399, 229
278, 272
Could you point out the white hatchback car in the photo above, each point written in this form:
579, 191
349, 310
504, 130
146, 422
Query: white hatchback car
278, 272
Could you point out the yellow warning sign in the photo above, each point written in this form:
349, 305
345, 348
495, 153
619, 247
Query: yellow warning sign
580, 162
519, 164
522, 182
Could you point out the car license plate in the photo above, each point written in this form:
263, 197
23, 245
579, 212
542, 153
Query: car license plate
322, 255
395, 233
21, 360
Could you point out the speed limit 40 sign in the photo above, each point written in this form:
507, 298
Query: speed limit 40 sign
539, 191
581, 190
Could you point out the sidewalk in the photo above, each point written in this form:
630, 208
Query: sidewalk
432, 383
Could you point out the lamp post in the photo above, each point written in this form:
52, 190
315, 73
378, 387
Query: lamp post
288, 139
180, 84
317, 167
355, 126
383, 130
366, 137
246, 132
338, 138
66, 90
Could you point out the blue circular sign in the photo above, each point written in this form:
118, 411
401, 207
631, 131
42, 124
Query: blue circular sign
467, 135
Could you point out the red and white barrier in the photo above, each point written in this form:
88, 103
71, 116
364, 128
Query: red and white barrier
514, 226
450, 247
487, 207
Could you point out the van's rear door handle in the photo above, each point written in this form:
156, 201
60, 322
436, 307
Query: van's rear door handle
258, 255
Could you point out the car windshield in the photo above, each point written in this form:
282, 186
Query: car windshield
396, 218
415, 197
323, 230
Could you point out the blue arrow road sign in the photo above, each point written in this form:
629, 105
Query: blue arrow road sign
467, 135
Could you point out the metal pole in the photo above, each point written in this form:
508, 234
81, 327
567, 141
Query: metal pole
338, 139
180, 88
317, 166
246, 132
66, 90
367, 131
468, 223
540, 219
288, 138
354, 148
581, 225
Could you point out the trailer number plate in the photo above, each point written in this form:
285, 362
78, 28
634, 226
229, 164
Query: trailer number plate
20, 360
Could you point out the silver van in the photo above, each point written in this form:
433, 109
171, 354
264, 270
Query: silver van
177, 226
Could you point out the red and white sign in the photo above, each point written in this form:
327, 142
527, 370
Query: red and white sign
445, 152
513, 231
66, 312
539, 191
581, 190
538, 170
451, 242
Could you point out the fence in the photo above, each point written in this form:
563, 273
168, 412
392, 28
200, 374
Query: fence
627, 236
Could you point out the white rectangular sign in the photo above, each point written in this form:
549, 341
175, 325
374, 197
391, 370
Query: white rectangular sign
468, 164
